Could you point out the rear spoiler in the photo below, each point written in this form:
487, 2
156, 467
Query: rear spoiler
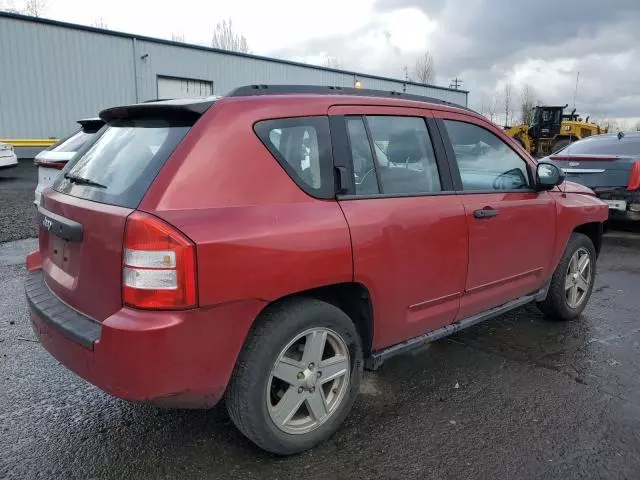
91, 125
190, 107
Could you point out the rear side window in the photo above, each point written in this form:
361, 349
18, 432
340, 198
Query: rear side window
302, 146
405, 162
364, 173
120, 165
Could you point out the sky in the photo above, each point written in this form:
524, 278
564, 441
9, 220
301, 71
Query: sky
486, 43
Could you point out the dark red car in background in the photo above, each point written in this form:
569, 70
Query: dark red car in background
610, 166
267, 245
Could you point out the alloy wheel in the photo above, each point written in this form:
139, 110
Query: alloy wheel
308, 381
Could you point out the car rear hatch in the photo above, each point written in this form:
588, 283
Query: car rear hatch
597, 171
84, 216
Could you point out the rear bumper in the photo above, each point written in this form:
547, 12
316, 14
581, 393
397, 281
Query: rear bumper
179, 359
623, 204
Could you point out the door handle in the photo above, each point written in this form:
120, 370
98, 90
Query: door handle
486, 212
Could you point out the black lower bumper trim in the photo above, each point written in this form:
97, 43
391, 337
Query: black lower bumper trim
57, 314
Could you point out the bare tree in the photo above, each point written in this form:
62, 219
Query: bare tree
492, 107
527, 104
177, 37
100, 23
508, 93
35, 8
8, 6
637, 126
425, 69
332, 62
611, 124
225, 38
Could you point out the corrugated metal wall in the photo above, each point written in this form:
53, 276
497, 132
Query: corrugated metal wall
52, 74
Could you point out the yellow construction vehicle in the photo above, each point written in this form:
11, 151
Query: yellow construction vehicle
552, 130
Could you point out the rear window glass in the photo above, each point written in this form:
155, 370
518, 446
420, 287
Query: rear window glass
303, 148
120, 165
609, 145
73, 143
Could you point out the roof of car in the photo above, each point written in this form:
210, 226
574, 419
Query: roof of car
615, 135
202, 104
258, 90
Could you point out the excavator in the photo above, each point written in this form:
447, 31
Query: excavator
551, 130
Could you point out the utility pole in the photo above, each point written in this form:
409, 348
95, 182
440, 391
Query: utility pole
575, 93
455, 83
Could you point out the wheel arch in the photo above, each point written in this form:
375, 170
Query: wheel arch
593, 230
353, 298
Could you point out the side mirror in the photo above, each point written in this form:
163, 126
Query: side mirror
548, 175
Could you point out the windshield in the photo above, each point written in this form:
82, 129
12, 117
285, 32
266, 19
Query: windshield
121, 164
609, 145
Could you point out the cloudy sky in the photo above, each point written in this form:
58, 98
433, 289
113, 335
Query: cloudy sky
487, 43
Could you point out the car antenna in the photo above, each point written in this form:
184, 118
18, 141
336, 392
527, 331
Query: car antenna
620, 135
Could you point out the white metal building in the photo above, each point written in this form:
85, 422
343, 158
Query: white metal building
53, 73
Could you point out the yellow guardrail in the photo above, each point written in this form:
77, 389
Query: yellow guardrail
30, 142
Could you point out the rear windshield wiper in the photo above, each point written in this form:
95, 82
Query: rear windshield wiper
83, 181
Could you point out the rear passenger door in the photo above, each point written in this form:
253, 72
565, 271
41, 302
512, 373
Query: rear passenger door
407, 226
511, 225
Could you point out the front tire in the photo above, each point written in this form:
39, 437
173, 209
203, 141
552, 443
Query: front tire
296, 377
572, 281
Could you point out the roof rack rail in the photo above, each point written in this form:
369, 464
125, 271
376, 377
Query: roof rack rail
253, 90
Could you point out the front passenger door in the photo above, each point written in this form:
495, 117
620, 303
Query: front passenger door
511, 226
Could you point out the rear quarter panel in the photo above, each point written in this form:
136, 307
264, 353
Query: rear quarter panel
258, 235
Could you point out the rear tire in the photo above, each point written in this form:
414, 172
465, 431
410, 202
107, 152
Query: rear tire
572, 281
284, 395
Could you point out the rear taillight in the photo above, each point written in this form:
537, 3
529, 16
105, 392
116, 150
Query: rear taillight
634, 178
49, 164
158, 265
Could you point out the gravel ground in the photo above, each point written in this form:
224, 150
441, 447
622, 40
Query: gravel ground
515, 397
18, 215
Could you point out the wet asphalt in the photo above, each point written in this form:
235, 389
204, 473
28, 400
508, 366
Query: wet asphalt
515, 397
17, 213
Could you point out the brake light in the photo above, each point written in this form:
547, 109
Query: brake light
49, 164
634, 178
158, 265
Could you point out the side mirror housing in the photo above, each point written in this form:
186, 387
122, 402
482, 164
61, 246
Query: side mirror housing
548, 175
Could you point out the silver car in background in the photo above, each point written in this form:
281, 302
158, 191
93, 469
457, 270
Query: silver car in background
8, 157
53, 159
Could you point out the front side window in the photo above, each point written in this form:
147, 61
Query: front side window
404, 158
302, 146
484, 160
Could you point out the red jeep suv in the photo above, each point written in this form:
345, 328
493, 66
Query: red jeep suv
267, 245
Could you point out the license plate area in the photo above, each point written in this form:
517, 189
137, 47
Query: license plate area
59, 252
620, 205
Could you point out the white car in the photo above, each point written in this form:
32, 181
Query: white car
8, 157
53, 159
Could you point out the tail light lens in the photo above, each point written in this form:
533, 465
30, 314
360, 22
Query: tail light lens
159, 265
634, 178
49, 164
